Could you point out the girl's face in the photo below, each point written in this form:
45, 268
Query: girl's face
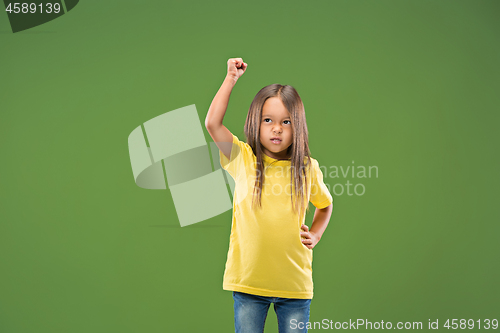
276, 133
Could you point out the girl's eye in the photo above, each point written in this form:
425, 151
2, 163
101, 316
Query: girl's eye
266, 120
289, 122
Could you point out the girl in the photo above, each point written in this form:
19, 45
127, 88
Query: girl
270, 250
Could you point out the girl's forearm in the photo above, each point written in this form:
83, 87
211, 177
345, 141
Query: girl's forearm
219, 104
320, 220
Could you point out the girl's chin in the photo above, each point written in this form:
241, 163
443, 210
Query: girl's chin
276, 149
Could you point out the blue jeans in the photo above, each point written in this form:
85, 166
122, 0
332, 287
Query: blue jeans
250, 312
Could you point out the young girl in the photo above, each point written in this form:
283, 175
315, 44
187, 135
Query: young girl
270, 251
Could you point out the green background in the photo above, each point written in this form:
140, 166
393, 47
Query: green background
408, 86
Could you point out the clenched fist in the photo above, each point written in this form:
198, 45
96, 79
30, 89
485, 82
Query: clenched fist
235, 68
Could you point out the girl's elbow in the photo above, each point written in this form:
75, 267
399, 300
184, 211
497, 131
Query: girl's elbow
207, 123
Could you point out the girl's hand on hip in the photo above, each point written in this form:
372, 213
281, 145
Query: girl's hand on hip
235, 68
311, 239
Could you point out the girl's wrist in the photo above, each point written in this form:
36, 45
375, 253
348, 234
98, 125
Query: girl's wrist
315, 234
231, 79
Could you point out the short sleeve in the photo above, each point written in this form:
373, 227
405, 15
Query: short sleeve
320, 195
238, 158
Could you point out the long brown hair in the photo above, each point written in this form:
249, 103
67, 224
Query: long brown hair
299, 149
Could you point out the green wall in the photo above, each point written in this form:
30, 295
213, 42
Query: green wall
408, 86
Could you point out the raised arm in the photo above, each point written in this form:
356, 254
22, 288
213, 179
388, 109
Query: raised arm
213, 122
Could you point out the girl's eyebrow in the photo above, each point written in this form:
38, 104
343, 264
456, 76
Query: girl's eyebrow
266, 115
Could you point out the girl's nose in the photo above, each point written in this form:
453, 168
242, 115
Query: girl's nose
277, 129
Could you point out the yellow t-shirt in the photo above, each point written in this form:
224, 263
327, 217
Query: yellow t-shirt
266, 256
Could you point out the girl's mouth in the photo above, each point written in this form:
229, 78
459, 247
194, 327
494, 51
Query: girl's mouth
276, 141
